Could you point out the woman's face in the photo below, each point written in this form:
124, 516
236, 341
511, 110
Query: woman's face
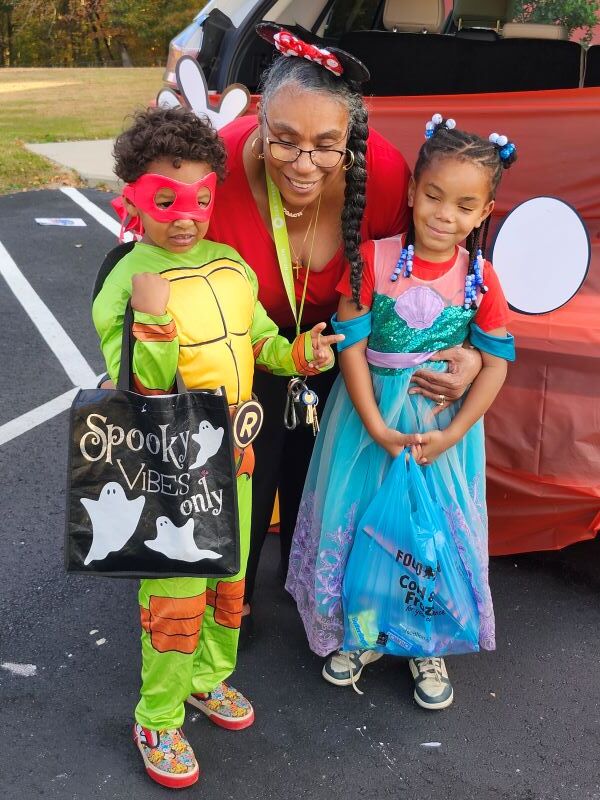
308, 120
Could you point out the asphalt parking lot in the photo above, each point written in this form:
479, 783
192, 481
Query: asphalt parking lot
526, 720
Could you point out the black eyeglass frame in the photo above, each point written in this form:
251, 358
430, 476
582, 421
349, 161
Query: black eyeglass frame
299, 150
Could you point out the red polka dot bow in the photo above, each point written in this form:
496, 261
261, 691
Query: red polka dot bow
290, 45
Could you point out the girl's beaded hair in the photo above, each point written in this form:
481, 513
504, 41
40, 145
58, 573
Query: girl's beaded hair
495, 154
312, 77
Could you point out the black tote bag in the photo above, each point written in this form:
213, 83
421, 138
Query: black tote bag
152, 487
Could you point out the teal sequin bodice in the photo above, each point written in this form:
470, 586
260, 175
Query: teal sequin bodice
392, 333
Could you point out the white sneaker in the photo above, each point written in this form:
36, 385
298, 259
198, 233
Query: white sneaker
433, 689
344, 667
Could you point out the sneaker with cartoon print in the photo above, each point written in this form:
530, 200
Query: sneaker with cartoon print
168, 756
224, 706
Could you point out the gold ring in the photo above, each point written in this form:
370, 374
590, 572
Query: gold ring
442, 400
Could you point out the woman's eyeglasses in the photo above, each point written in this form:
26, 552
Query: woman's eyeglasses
323, 157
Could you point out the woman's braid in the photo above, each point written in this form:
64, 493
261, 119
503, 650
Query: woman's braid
355, 195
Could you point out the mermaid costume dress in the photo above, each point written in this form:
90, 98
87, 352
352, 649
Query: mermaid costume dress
410, 319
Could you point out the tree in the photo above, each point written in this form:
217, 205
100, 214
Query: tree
69, 33
573, 14
6, 34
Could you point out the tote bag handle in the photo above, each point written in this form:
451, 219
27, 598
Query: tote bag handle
126, 367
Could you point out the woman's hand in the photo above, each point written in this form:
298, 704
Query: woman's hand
433, 444
394, 441
150, 293
464, 364
321, 345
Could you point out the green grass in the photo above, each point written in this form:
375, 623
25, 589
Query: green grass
56, 105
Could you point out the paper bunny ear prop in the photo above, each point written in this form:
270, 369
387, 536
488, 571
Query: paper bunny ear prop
194, 90
339, 62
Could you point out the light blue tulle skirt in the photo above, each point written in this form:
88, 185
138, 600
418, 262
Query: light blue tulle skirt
346, 471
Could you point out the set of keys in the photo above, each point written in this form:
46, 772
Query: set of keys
311, 401
301, 406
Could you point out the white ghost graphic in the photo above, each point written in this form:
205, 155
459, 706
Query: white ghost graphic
178, 543
114, 520
209, 439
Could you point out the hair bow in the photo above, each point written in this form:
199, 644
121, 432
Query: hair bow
290, 45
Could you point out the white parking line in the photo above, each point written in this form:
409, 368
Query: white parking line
94, 211
24, 423
10, 430
61, 344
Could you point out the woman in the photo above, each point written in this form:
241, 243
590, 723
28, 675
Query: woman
338, 182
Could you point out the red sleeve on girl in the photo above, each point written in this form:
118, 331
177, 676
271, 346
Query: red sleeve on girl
493, 310
367, 250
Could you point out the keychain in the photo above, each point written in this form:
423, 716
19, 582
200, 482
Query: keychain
311, 401
300, 406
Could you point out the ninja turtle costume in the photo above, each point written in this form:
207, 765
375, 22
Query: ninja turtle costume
214, 331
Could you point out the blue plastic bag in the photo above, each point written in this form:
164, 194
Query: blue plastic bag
406, 591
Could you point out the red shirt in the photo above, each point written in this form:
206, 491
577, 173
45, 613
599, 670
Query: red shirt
493, 308
236, 221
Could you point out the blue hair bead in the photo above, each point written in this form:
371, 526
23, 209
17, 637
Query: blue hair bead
474, 281
404, 263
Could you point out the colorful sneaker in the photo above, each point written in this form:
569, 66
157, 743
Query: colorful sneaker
168, 756
344, 667
225, 706
433, 689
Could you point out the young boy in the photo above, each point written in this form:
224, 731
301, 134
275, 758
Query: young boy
195, 310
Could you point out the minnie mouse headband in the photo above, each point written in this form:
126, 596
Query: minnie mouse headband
507, 151
339, 62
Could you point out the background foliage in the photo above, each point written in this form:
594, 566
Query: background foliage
69, 33
573, 14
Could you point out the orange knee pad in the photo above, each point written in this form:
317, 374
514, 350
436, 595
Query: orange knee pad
174, 623
227, 601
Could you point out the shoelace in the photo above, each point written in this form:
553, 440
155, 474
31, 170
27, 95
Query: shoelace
352, 678
431, 667
341, 660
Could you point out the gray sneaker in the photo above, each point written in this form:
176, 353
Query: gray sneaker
344, 668
433, 689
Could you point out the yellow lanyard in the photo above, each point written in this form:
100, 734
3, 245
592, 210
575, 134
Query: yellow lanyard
282, 246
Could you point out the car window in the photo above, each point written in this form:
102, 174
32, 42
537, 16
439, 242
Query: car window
350, 15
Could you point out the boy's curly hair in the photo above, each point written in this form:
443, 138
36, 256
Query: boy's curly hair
173, 133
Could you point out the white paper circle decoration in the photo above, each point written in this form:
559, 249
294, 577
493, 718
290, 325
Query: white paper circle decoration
541, 254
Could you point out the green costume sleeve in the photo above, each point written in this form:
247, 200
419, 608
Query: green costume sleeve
272, 352
156, 347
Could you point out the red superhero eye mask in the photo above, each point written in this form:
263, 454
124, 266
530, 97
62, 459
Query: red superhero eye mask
184, 196
143, 193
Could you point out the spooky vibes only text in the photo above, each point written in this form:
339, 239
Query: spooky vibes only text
103, 441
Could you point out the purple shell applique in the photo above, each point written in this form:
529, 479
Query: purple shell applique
419, 307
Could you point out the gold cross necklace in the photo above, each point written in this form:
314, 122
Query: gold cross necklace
297, 264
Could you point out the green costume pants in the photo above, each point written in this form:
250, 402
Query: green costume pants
190, 631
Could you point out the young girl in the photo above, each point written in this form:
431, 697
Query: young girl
418, 293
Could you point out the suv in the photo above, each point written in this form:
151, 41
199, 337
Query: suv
382, 34
468, 60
